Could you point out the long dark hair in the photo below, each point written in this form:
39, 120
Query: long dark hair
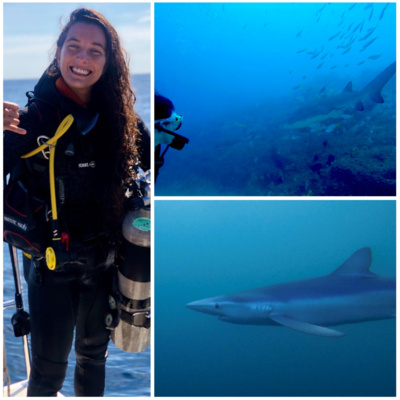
114, 98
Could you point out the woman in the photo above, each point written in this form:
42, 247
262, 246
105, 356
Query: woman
89, 79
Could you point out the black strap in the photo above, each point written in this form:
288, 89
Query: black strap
140, 319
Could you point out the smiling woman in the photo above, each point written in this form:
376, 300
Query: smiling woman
73, 262
82, 58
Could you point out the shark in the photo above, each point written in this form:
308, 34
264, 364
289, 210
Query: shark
350, 294
348, 102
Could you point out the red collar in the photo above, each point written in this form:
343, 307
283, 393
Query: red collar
66, 91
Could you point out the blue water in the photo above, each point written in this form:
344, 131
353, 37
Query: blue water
210, 248
126, 374
237, 72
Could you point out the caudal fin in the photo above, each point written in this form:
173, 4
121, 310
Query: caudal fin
375, 87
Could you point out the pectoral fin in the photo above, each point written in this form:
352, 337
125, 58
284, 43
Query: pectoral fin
305, 326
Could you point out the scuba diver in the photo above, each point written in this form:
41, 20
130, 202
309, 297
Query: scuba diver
166, 122
72, 156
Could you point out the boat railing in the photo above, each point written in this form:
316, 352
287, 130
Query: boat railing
18, 304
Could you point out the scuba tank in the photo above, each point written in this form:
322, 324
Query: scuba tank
132, 334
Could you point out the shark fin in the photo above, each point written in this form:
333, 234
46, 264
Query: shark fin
349, 87
376, 97
358, 264
305, 326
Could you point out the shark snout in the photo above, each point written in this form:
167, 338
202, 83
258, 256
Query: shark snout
205, 306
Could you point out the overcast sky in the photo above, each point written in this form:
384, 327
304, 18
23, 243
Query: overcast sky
31, 30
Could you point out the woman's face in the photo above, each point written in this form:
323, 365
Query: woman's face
82, 58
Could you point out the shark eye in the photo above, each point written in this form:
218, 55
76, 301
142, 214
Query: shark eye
216, 305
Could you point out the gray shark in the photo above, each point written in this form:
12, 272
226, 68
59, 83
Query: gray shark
350, 294
333, 108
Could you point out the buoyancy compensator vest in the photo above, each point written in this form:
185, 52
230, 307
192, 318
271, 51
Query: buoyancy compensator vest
132, 334
25, 217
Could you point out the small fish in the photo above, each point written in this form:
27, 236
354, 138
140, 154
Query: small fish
301, 51
362, 25
383, 11
350, 26
370, 32
369, 5
351, 42
351, 7
335, 66
372, 11
368, 44
375, 56
335, 35
298, 86
361, 62
346, 51
320, 65
356, 28
321, 9
299, 34
316, 55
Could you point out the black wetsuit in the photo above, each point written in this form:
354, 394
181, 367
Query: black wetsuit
76, 297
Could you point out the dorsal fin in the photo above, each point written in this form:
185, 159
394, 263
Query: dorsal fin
349, 87
357, 264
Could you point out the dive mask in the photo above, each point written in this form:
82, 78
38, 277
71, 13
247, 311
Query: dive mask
168, 125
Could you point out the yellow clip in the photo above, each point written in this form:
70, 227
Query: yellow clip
51, 258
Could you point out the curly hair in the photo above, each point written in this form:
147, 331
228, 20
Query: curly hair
115, 99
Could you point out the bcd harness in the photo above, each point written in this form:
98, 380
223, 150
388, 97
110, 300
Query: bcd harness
51, 143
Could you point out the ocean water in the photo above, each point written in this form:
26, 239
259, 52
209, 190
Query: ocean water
239, 73
210, 248
127, 374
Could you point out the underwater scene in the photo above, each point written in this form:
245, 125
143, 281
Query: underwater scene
208, 248
279, 99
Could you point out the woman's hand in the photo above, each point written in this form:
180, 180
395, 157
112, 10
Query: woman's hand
11, 118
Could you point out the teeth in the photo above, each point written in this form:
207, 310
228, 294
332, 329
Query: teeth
80, 71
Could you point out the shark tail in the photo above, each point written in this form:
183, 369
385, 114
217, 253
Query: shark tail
375, 87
